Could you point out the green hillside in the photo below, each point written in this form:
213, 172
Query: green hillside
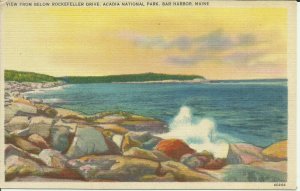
127, 78
12, 75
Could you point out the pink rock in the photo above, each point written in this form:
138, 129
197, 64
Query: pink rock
243, 153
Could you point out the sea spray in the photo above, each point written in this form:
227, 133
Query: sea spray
200, 134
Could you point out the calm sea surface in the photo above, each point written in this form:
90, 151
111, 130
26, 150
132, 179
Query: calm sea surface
253, 111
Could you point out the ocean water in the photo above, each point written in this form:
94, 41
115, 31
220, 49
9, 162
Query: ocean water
254, 112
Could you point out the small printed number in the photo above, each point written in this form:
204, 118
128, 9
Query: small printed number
279, 184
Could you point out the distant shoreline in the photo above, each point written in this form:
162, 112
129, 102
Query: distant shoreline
164, 82
201, 81
12, 75
144, 78
250, 80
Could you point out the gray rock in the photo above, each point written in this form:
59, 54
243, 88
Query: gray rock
140, 136
242, 153
60, 138
247, 173
87, 141
13, 150
144, 137
191, 161
144, 140
279, 166
151, 143
40, 126
19, 166
71, 126
46, 110
17, 123
24, 108
146, 154
21, 133
153, 126
53, 158
113, 118
184, 174
9, 112
112, 167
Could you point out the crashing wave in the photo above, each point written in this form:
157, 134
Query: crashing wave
200, 134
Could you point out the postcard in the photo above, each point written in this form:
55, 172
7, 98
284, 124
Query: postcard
148, 94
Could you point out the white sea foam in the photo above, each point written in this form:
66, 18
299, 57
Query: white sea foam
200, 134
55, 88
36, 91
53, 100
44, 90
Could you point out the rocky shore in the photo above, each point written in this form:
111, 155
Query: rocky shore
15, 89
43, 143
